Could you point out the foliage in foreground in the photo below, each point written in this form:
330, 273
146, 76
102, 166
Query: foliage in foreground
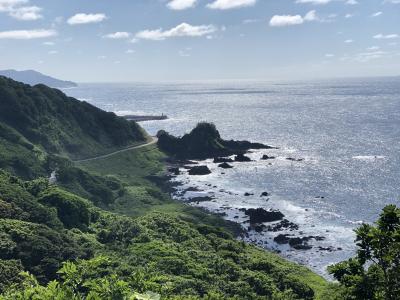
43, 226
374, 274
78, 281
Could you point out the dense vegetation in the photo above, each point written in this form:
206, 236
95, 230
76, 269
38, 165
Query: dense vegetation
204, 141
43, 226
105, 230
374, 274
41, 119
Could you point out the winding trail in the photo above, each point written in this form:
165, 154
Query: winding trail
153, 141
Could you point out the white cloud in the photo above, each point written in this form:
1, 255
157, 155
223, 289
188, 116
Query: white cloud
373, 48
27, 34
181, 4
311, 16
367, 56
182, 30
315, 2
130, 51
348, 16
229, 4
289, 20
17, 10
386, 37
83, 18
285, 20
323, 2
349, 41
329, 55
6, 5
27, 13
117, 35
49, 43
377, 14
52, 52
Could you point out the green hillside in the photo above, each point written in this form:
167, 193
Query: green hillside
40, 118
106, 230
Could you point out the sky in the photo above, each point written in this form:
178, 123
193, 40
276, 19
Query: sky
169, 40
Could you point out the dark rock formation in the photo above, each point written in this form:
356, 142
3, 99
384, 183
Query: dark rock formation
295, 159
283, 225
222, 160
266, 157
260, 215
199, 170
200, 199
204, 141
298, 243
174, 171
264, 194
242, 158
225, 166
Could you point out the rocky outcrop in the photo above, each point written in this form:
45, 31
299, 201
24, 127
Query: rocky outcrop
242, 158
225, 166
283, 225
295, 159
298, 243
260, 215
218, 160
174, 171
199, 170
204, 141
266, 157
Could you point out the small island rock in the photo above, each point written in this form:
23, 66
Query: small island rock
199, 170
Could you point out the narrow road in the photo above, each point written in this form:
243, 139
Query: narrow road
152, 142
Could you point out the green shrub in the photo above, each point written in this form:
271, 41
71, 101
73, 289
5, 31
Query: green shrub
73, 211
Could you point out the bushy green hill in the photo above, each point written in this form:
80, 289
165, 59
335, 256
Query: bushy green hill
42, 226
45, 117
121, 233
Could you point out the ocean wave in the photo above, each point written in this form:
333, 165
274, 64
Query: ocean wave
368, 157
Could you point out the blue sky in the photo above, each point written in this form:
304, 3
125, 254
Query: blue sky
162, 40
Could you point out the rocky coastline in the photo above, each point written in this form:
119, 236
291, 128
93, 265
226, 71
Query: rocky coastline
254, 221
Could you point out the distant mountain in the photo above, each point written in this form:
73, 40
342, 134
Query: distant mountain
33, 77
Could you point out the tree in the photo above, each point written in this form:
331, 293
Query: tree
374, 273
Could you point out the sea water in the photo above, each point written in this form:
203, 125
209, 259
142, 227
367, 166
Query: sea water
346, 132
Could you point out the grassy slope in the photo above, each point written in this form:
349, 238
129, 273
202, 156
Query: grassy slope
135, 169
135, 166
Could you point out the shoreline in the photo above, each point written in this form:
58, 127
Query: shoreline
285, 236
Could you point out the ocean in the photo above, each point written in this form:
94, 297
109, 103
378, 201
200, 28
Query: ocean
345, 132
